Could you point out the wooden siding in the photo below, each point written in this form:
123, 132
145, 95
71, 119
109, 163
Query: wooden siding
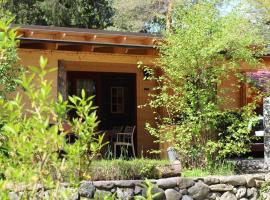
93, 62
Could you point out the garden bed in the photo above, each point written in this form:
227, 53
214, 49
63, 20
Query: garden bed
120, 169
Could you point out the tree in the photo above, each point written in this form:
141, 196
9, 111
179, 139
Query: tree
25, 12
68, 13
203, 48
143, 15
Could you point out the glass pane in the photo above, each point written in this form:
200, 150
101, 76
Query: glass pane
117, 99
88, 85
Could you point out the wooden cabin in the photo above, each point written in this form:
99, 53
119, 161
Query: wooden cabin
104, 63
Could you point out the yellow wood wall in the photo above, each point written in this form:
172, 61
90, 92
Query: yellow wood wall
89, 61
235, 92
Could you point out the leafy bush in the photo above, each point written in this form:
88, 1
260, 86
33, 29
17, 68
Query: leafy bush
203, 49
34, 138
10, 70
120, 169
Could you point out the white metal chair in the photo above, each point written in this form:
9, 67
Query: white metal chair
117, 129
125, 139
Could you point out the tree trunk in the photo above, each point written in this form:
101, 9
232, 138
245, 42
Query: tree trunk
169, 15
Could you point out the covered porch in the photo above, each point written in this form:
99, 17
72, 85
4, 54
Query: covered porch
104, 63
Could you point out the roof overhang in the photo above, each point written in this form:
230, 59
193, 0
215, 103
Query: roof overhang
75, 39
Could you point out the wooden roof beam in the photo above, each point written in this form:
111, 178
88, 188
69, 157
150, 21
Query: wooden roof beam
28, 34
120, 50
91, 38
61, 36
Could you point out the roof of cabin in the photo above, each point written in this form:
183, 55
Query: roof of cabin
79, 39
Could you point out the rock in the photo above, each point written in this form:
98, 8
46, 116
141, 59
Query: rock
166, 183
113, 190
185, 183
176, 167
214, 196
13, 196
137, 190
186, 197
125, 193
183, 191
221, 188
267, 177
241, 192
172, 170
234, 190
101, 194
172, 194
199, 191
236, 180
228, 196
243, 199
107, 185
250, 178
251, 191
75, 197
211, 180
259, 183
87, 189
155, 190
127, 183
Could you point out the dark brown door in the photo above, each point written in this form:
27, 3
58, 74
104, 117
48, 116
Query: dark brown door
118, 100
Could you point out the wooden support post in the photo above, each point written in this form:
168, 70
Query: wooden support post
62, 80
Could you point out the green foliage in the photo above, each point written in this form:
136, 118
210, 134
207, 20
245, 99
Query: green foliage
149, 186
9, 68
125, 169
67, 13
142, 15
203, 49
219, 169
264, 191
34, 138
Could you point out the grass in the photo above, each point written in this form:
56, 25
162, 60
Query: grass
120, 169
222, 169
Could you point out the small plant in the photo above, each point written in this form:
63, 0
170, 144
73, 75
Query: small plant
149, 186
264, 191
10, 70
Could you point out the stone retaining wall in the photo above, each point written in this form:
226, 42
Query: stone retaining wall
241, 187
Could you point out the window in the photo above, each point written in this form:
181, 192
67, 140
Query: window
117, 100
88, 85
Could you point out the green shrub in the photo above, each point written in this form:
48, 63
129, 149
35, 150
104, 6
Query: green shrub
36, 149
120, 169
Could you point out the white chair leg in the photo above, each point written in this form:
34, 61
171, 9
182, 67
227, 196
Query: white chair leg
133, 150
114, 150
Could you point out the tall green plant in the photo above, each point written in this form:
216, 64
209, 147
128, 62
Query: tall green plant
9, 68
203, 49
37, 152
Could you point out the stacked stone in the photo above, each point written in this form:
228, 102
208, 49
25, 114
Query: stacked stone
243, 187
249, 166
